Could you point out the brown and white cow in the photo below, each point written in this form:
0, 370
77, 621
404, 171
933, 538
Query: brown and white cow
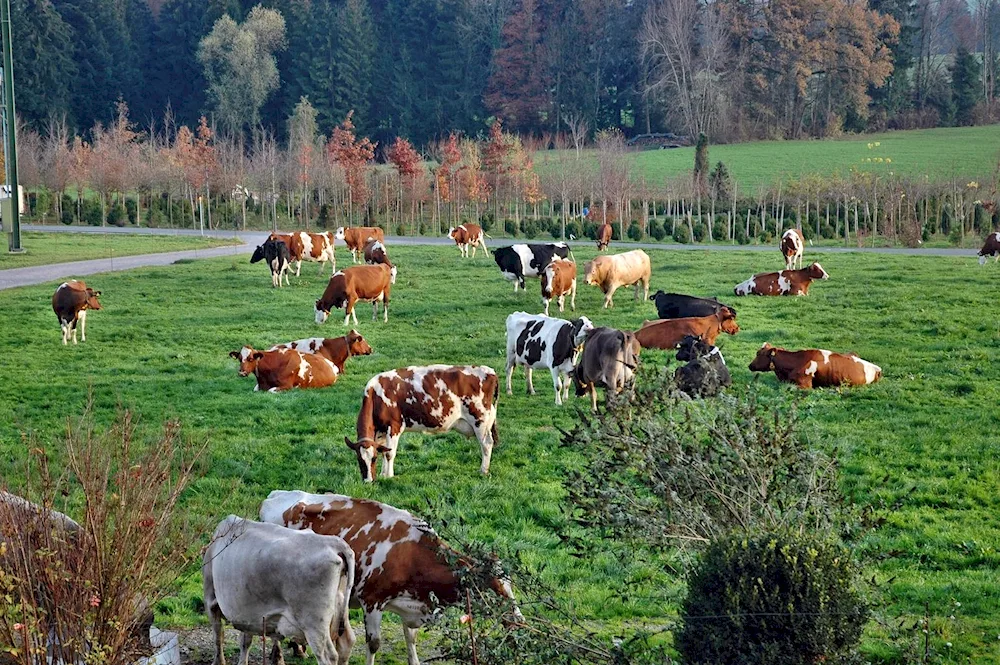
668, 333
559, 279
792, 245
285, 369
990, 248
70, 302
375, 253
612, 272
335, 349
815, 368
608, 361
468, 235
402, 566
604, 233
356, 237
347, 287
436, 398
303, 246
781, 283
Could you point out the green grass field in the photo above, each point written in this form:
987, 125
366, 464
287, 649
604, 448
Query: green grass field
45, 248
925, 435
940, 154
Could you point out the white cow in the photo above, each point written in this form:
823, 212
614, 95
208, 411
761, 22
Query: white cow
536, 341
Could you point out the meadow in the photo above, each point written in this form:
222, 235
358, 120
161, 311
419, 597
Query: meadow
925, 436
45, 248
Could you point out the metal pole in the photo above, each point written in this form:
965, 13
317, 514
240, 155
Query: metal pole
10, 149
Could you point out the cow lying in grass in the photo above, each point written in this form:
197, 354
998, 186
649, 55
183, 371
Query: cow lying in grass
285, 369
705, 373
815, 368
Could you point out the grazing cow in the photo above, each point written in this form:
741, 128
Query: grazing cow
604, 233
356, 237
668, 333
705, 373
678, 306
612, 272
782, 283
348, 286
335, 349
468, 235
792, 244
375, 253
402, 566
990, 248
278, 257
815, 368
519, 261
608, 361
539, 341
285, 369
282, 583
70, 302
558, 279
437, 399
303, 246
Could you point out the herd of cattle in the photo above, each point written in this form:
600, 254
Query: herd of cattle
294, 573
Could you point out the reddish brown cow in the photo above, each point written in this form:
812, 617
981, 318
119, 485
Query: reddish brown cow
468, 235
815, 368
304, 246
402, 566
348, 286
375, 253
604, 233
70, 302
990, 248
668, 333
285, 369
335, 349
559, 279
792, 245
782, 283
356, 237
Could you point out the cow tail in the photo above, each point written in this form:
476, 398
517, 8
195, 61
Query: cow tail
496, 398
571, 255
345, 589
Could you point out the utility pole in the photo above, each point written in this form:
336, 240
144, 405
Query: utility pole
10, 149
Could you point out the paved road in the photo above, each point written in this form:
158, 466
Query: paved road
39, 274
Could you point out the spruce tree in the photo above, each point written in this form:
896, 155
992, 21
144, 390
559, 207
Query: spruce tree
43, 61
353, 58
965, 85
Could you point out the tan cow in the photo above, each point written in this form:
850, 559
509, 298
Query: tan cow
356, 237
668, 333
612, 272
815, 368
347, 287
466, 236
559, 279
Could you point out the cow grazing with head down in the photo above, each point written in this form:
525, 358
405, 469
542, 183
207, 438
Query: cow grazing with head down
611, 272
356, 237
347, 287
375, 253
284, 583
542, 342
519, 260
609, 360
792, 245
70, 303
284, 369
705, 373
304, 246
402, 566
466, 236
679, 306
782, 283
278, 258
990, 248
604, 233
668, 333
335, 349
815, 368
437, 399
558, 279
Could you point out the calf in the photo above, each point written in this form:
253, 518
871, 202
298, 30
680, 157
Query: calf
678, 306
357, 237
558, 279
375, 253
609, 360
668, 333
990, 248
519, 261
782, 283
278, 257
402, 565
285, 368
335, 349
604, 233
792, 244
70, 302
538, 341
282, 583
468, 235
347, 287
611, 272
705, 373
303, 246
815, 368
435, 399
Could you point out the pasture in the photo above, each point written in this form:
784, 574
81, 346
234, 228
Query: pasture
926, 435
45, 248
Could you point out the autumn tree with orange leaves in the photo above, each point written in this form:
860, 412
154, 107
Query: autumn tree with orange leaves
407, 163
352, 155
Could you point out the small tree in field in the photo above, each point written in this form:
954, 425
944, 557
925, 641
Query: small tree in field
353, 155
407, 163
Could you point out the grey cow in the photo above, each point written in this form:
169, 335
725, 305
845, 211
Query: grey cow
608, 360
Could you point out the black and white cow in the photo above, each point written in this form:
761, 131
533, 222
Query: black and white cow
278, 258
519, 261
705, 373
536, 341
680, 306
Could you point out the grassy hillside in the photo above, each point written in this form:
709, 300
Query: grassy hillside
925, 435
46, 248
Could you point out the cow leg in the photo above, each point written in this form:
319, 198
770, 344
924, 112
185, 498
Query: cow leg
593, 398
557, 383
215, 618
345, 640
374, 310
474, 248
484, 434
608, 297
74, 330
527, 375
510, 372
389, 461
546, 303
320, 641
65, 332
373, 634
410, 635
562, 303
572, 295
82, 318
277, 656
246, 641
385, 308
565, 382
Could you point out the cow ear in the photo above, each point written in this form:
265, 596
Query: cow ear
257, 355
350, 444
234, 354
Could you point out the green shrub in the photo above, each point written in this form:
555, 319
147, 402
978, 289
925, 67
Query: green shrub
401, 229
657, 230
68, 214
90, 212
955, 237
827, 231
590, 230
720, 229
155, 218
117, 215
574, 229
529, 228
682, 235
486, 221
133, 213
555, 231
775, 600
741, 234
925, 235
616, 231
510, 227
323, 221
634, 232
700, 232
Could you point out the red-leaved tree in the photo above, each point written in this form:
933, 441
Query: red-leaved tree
352, 155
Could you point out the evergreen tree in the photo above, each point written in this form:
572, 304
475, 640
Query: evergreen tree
43, 44
175, 76
353, 56
701, 165
965, 85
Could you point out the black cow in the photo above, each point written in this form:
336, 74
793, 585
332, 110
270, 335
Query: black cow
678, 306
705, 373
519, 261
278, 258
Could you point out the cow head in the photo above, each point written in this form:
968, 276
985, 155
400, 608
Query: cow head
452, 232
815, 271
580, 329
728, 321
367, 451
657, 295
258, 254
593, 273
248, 358
322, 311
691, 348
339, 235
92, 296
356, 344
392, 274
982, 258
764, 360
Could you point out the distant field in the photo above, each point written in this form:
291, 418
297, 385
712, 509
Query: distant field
940, 154
47, 248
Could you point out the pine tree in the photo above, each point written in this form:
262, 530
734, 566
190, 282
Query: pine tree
701, 165
175, 76
518, 88
353, 57
965, 85
43, 61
